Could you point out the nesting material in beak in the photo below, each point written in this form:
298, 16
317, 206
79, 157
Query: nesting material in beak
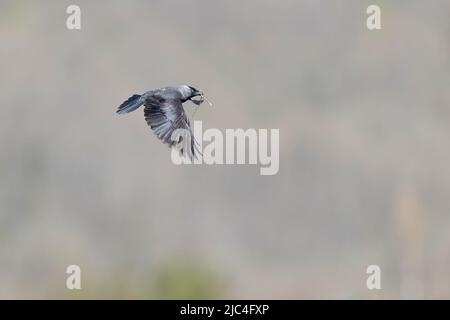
206, 99
201, 100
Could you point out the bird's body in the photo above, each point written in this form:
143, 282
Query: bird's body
164, 113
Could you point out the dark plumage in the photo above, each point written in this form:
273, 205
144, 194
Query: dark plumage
164, 112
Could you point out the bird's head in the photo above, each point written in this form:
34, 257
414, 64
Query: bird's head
189, 93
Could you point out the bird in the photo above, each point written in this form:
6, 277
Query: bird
164, 113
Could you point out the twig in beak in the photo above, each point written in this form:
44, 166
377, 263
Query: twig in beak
206, 99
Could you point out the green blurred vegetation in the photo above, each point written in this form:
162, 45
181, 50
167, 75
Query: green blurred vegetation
178, 278
187, 279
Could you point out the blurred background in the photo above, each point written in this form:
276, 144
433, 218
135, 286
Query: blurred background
364, 150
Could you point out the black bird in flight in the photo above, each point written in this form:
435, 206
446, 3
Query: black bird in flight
164, 112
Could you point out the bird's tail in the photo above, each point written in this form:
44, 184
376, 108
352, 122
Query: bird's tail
131, 104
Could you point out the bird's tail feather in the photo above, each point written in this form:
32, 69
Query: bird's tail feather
131, 104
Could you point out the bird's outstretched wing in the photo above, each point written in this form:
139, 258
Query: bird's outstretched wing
164, 115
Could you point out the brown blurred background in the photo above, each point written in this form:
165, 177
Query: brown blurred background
364, 150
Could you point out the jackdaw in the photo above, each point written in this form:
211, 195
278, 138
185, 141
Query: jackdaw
164, 114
